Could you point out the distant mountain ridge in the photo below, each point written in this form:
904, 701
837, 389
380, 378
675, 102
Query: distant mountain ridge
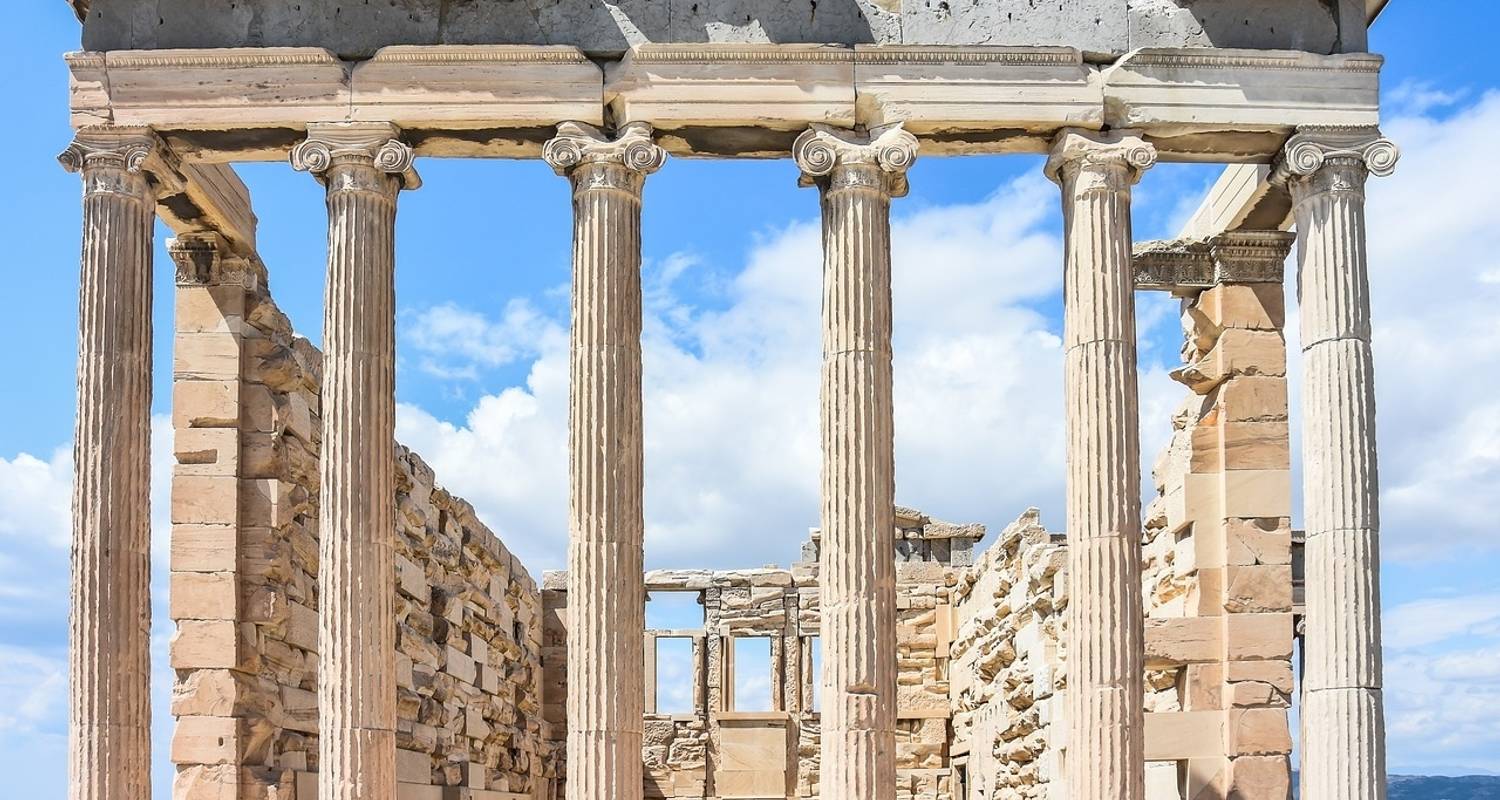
1431, 787
1438, 787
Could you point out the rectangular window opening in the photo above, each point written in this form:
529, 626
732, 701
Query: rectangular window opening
752, 673
815, 648
674, 611
675, 675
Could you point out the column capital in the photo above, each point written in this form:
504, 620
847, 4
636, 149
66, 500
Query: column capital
206, 258
1313, 147
370, 144
822, 153
1113, 159
108, 147
579, 144
1185, 266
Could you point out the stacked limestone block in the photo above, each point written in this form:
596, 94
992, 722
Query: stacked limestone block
675, 756
244, 522
1217, 552
469, 647
244, 576
1005, 668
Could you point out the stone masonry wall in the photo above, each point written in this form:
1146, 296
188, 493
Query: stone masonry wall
244, 577
1217, 554
718, 750
1006, 665
1217, 589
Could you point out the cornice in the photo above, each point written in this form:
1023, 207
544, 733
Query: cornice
478, 54
1246, 59
967, 55
739, 54
240, 57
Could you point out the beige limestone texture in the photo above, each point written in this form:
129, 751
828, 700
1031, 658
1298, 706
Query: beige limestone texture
1105, 636
363, 168
1325, 170
857, 176
109, 621
728, 99
606, 527
467, 617
689, 755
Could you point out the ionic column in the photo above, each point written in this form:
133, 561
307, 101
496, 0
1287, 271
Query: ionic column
1105, 640
857, 175
1343, 745
363, 166
109, 624
606, 598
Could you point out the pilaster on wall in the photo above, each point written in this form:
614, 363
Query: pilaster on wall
225, 503
1217, 553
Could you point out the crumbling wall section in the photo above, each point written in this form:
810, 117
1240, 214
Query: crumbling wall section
1006, 666
1216, 588
723, 750
244, 563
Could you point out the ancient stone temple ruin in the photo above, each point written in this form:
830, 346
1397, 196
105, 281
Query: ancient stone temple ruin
346, 629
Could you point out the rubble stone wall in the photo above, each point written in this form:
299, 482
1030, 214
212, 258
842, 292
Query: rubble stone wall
718, 750
244, 590
1006, 668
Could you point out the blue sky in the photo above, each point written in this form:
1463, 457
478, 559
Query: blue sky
731, 277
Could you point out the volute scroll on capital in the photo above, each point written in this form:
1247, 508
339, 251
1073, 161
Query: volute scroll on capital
112, 160
351, 143
887, 152
1114, 159
579, 145
1314, 147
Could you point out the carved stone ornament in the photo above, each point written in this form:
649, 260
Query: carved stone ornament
124, 149
579, 144
1112, 159
356, 143
206, 258
1188, 265
833, 157
1315, 146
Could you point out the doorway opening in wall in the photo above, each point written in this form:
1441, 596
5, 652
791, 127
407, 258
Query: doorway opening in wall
752, 673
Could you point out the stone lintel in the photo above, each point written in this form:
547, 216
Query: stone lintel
726, 100
1237, 105
1243, 198
1184, 266
254, 103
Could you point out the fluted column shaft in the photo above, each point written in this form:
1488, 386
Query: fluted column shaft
857, 176
363, 168
1106, 639
109, 624
606, 524
1343, 748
